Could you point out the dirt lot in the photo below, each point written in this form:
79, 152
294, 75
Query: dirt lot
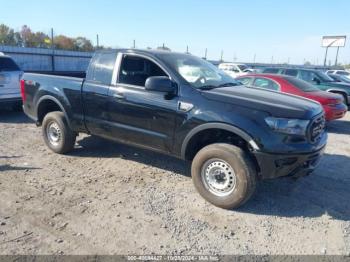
107, 198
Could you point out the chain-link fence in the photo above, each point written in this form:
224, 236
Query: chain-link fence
42, 59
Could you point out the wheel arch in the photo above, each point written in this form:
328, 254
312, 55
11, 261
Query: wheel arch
215, 126
340, 92
47, 104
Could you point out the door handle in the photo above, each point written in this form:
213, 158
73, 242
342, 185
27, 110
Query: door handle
118, 95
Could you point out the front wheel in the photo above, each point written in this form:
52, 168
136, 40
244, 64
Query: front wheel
224, 175
57, 134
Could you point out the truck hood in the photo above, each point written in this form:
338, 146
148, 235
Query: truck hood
274, 103
337, 84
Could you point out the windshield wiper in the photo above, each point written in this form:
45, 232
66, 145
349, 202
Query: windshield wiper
228, 84
208, 87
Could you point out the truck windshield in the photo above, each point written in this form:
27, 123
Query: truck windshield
7, 64
324, 77
197, 72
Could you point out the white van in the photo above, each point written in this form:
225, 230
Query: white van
234, 69
10, 75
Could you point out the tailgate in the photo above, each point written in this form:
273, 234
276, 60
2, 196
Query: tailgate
9, 83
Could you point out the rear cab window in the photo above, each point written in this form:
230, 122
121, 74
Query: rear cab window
101, 68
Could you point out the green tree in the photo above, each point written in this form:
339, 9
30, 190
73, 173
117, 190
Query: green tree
40, 40
82, 44
64, 42
7, 35
27, 38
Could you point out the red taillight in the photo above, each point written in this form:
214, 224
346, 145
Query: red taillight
23, 93
334, 102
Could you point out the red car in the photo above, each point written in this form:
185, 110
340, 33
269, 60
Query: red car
332, 104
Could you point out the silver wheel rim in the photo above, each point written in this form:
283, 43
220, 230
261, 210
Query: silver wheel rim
53, 133
218, 177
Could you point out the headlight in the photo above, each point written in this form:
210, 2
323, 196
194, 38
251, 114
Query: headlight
288, 126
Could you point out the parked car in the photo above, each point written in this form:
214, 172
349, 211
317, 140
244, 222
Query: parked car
234, 69
339, 72
339, 78
183, 106
332, 103
321, 80
10, 75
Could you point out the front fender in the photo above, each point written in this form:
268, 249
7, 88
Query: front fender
215, 125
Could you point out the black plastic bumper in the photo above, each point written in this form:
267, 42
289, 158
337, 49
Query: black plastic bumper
10, 102
279, 165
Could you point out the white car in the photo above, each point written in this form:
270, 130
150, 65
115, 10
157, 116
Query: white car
339, 72
235, 70
10, 75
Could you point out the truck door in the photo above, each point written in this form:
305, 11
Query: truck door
137, 115
95, 92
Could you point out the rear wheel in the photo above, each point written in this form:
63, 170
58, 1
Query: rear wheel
57, 134
224, 175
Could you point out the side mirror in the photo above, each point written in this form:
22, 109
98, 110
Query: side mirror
160, 84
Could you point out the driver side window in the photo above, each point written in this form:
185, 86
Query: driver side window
135, 70
307, 76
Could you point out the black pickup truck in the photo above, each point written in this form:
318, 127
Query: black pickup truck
183, 106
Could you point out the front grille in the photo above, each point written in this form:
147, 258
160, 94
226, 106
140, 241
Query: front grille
316, 128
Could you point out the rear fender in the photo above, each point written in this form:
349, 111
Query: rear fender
57, 102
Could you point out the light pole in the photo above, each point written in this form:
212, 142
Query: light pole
325, 57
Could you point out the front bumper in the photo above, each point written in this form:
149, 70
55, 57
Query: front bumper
279, 165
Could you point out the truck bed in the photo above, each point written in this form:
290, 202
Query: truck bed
62, 89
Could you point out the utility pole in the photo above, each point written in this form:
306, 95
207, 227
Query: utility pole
254, 58
325, 57
222, 55
205, 54
186, 49
336, 57
134, 44
53, 52
271, 59
97, 42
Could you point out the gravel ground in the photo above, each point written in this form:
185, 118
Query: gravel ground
108, 198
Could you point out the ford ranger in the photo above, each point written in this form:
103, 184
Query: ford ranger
185, 107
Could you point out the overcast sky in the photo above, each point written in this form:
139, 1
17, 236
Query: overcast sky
269, 30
